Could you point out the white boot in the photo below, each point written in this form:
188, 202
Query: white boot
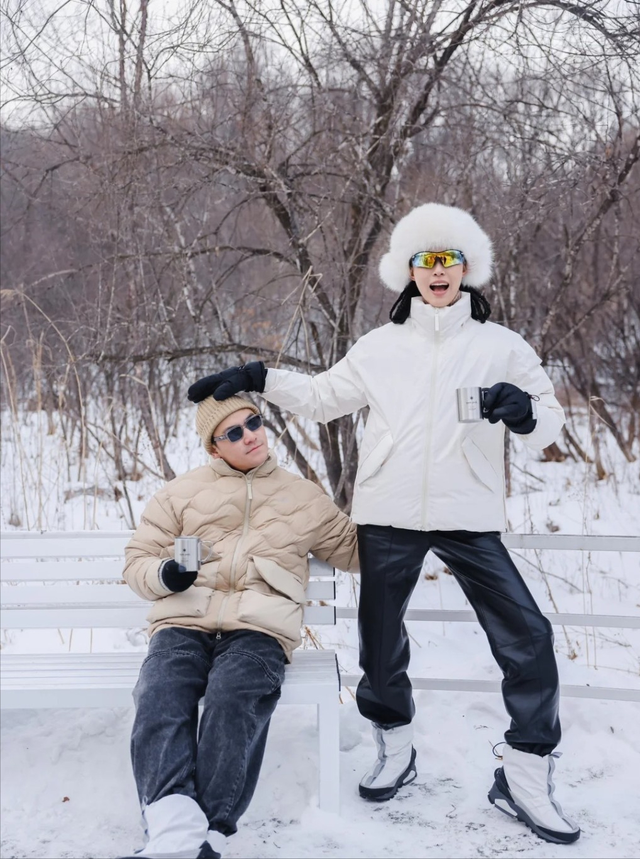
217, 842
523, 788
396, 764
176, 827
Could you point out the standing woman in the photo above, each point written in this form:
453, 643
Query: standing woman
426, 481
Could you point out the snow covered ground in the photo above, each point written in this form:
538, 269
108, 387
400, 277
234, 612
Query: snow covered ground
67, 787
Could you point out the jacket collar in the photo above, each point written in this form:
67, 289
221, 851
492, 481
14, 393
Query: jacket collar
440, 320
225, 470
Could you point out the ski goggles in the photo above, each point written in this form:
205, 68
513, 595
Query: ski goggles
252, 423
428, 259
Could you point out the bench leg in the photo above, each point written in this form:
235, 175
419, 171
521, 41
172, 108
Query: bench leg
329, 754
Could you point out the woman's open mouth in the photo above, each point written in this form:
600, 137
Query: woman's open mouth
439, 288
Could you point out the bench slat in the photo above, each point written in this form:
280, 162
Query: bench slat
125, 617
45, 661
128, 680
110, 571
70, 570
75, 618
321, 590
324, 589
575, 542
91, 595
303, 660
319, 615
55, 678
107, 680
97, 668
61, 545
22, 544
442, 684
291, 693
93, 544
440, 615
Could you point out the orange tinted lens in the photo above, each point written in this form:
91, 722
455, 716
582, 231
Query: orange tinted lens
427, 259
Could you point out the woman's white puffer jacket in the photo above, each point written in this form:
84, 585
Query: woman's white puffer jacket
419, 467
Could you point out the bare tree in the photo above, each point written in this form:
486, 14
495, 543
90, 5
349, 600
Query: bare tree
218, 186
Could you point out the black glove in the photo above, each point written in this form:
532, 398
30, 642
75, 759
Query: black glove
175, 576
507, 403
249, 377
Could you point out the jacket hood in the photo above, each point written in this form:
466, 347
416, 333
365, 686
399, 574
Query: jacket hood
435, 227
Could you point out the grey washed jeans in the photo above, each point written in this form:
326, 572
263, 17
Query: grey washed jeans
217, 762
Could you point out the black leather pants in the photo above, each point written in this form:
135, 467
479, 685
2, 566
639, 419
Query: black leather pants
520, 637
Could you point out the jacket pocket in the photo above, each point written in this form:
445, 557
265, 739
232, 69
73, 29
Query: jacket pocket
375, 459
278, 579
208, 575
194, 602
272, 600
480, 465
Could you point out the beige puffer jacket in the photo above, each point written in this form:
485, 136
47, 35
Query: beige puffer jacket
262, 524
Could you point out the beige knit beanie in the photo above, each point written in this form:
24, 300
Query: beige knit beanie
211, 412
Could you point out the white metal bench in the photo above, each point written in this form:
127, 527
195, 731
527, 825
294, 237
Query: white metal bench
89, 593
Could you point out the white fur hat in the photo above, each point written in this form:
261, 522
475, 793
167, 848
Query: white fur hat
434, 227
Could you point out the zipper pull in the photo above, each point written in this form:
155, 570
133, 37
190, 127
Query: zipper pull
249, 490
218, 635
437, 320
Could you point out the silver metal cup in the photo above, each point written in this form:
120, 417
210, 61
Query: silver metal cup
469, 405
188, 552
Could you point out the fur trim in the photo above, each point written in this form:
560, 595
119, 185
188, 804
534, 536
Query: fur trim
434, 227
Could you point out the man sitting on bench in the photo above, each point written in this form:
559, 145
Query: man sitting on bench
222, 634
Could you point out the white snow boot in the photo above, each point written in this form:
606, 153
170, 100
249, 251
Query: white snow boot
177, 828
523, 789
217, 842
396, 764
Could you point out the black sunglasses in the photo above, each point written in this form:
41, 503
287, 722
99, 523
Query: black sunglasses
252, 423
